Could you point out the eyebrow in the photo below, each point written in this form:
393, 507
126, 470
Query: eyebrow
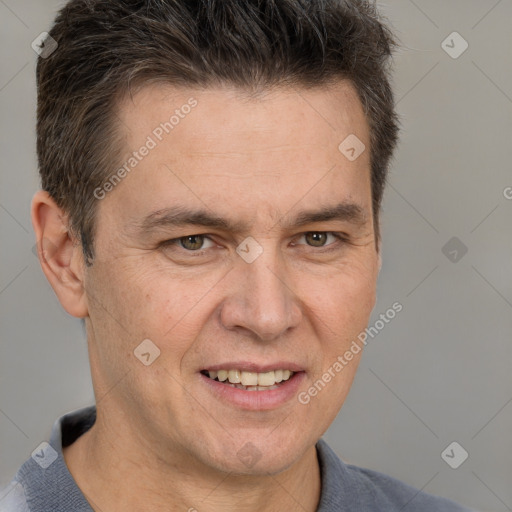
179, 216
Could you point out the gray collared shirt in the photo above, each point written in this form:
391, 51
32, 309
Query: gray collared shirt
44, 484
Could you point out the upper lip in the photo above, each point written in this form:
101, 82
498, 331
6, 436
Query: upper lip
247, 366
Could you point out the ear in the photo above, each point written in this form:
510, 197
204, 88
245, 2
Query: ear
59, 253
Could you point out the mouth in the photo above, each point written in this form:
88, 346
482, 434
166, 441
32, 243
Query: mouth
253, 387
250, 381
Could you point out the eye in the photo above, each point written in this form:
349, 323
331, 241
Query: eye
320, 238
194, 242
191, 243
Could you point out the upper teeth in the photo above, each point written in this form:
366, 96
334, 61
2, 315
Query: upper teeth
251, 378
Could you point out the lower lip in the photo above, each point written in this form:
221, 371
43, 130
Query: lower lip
256, 400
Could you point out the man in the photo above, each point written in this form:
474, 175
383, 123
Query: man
212, 174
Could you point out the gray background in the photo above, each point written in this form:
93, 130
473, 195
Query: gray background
440, 371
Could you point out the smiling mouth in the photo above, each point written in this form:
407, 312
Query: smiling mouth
250, 381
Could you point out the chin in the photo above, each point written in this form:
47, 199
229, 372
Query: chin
257, 455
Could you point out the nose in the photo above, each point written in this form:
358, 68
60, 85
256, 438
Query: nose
261, 303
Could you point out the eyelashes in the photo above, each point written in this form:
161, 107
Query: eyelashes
198, 244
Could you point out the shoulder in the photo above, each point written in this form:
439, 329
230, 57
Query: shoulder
43, 482
398, 495
365, 490
13, 498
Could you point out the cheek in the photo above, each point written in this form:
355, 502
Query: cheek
343, 300
340, 312
168, 309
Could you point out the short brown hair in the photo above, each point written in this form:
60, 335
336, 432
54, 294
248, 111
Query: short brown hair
107, 47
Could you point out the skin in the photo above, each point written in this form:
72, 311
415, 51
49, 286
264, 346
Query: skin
162, 441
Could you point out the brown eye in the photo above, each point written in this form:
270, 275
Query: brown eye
192, 242
316, 239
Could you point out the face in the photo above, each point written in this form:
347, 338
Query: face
241, 240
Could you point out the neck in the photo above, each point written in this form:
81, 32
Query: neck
116, 469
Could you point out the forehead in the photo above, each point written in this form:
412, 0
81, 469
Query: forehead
254, 154
331, 112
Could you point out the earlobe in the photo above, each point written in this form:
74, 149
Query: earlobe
59, 254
